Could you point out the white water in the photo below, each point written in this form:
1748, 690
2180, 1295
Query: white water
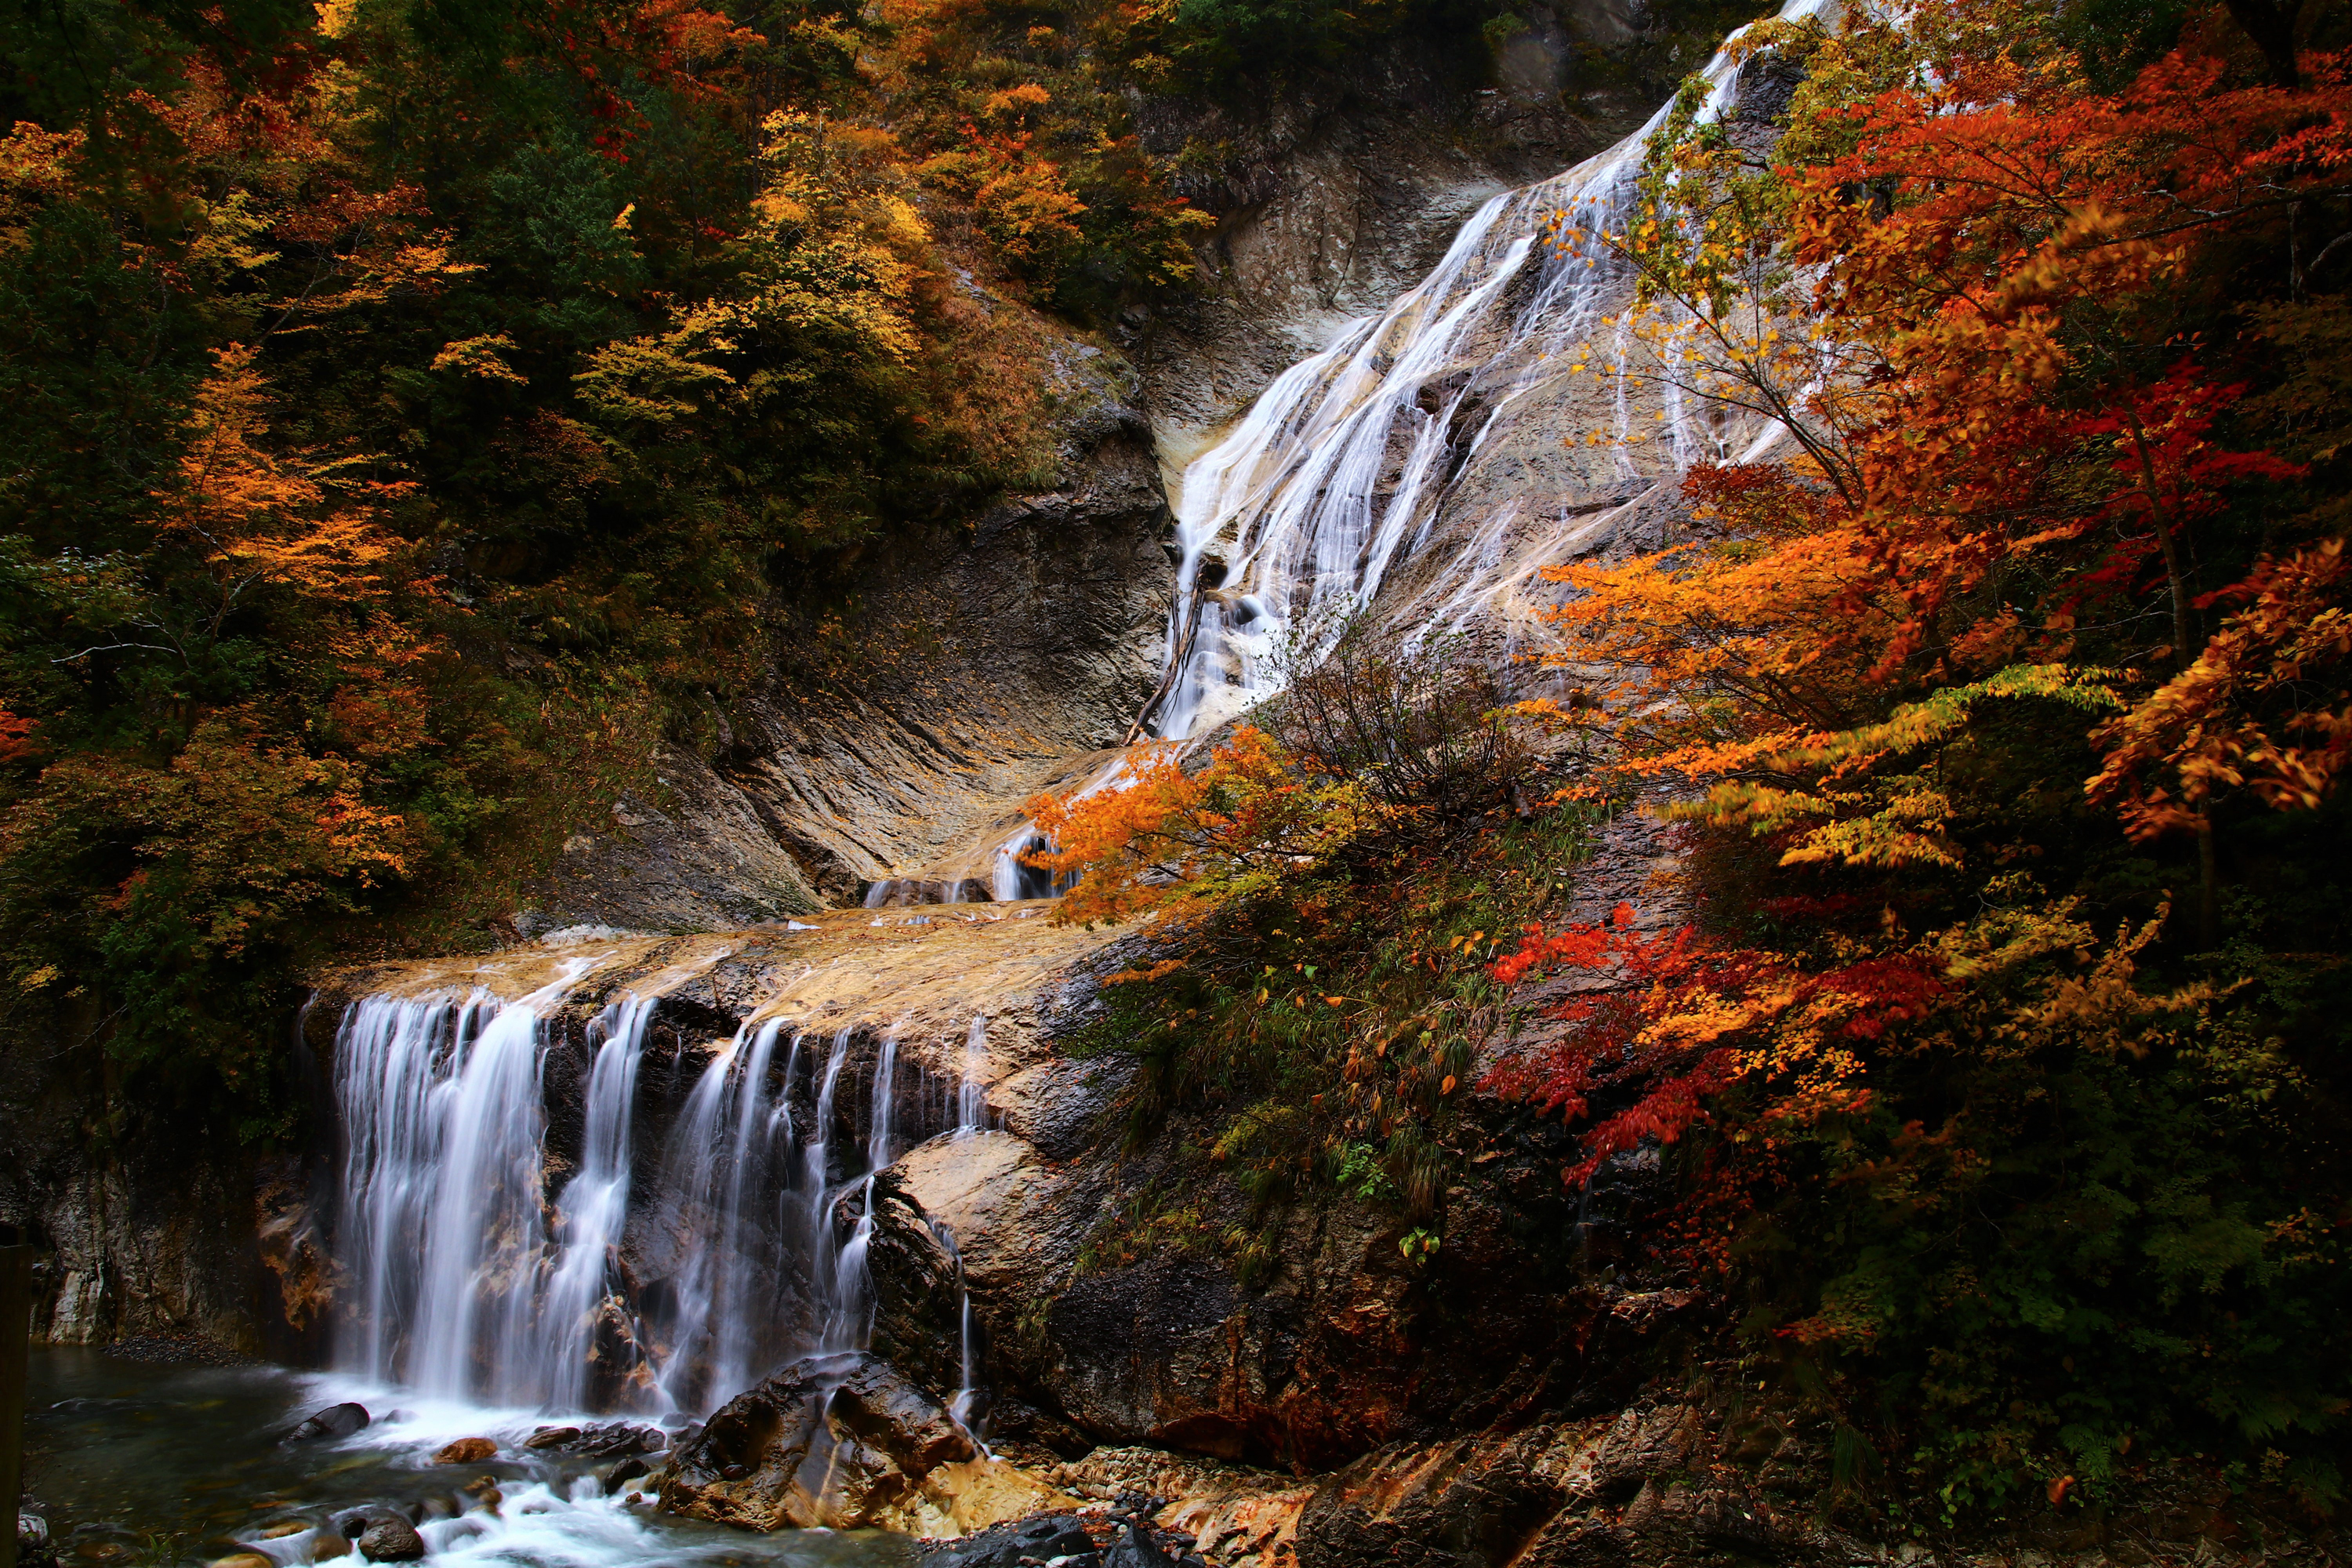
444, 1122
849, 1318
1342, 471
718, 1159
595, 1202
972, 1091
473, 1290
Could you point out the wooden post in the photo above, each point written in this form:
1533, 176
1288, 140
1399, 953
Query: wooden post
15, 1332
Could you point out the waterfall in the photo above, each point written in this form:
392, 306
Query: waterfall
443, 1220
972, 1091
1336, 472
595, 1202
717, 1159
667, 1275
1343, 469
849, 1324
466, 1282
967, 1408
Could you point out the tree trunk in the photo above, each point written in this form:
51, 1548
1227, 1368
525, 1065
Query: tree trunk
2271, 25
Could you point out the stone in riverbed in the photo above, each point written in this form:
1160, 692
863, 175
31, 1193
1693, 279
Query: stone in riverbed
846, 1442
1135, 1547
242, 1559
391, 1539
467, 1451
334, 1421
1042, 1538
552, 1438
829, 1440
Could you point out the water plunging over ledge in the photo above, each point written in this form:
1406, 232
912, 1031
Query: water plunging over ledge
653, 1271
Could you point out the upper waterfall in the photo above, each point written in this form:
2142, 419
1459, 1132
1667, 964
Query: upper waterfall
1337, 473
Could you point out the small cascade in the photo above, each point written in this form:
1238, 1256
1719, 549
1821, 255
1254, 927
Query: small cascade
849, 1321
968, 1406
444, 1228
972, 1090
816, 1232
594, 1204
718, 1159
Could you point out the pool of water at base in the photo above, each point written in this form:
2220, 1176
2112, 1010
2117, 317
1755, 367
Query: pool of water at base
138, 1465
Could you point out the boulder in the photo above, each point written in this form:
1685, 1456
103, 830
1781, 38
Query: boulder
552, 1438
1136, 1549
844, 1441
467, 1451
391, 1539
1040, 1539
833, 1440
334, 1421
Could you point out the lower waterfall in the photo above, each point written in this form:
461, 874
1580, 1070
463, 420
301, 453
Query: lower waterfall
670, 1271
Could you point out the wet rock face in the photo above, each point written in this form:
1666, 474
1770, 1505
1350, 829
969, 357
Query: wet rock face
334, 1421
839, 1441
982, 653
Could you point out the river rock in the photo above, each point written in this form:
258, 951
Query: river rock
1040, 1538
832, 1440
391, 1539
467, 1451
845, 1441
33, 1546
334, 1421
1136, 1549
242, 1559
552, 1438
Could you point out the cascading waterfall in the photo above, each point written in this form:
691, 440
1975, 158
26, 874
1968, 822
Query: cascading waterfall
594, 1203
719, 1156
468, 1283
1299, 515
849, 1324
1340, 471
444, 1125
